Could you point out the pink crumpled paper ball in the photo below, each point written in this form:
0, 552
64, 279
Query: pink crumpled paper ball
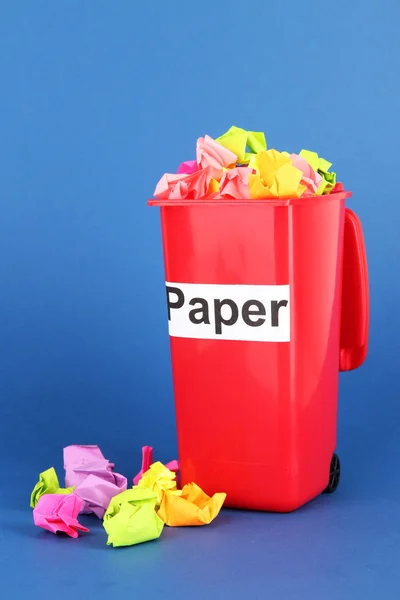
188, 167
58, 512
235, 183
184, 186
210, 154
310, 179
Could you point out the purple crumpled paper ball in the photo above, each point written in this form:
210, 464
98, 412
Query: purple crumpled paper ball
92, 474
96, 494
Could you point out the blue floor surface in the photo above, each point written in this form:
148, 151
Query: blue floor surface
345, 546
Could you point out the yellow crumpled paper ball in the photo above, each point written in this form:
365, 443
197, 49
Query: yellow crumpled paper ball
159, 479
275, 176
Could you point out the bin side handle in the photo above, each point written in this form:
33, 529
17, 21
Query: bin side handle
354, 327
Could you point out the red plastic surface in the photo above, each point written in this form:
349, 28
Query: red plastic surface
257, 420
355, 296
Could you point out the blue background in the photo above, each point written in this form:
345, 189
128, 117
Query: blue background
97, 100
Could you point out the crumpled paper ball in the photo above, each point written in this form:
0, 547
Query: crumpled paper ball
58, 512
47, 484
190, 506
96, 494
82, 461
131, 518
147, 461
158, 478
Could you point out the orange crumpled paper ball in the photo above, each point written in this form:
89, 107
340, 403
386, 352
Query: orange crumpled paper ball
189, 506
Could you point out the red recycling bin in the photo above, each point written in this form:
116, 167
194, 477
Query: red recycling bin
267, 301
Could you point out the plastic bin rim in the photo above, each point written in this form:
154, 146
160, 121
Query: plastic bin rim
337, 196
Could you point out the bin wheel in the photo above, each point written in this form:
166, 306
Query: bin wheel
334, 475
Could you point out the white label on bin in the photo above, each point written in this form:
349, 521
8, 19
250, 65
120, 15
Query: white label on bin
254, 313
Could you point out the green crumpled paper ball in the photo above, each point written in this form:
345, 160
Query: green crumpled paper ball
321, 166
131, 518
47, 484
237, 140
